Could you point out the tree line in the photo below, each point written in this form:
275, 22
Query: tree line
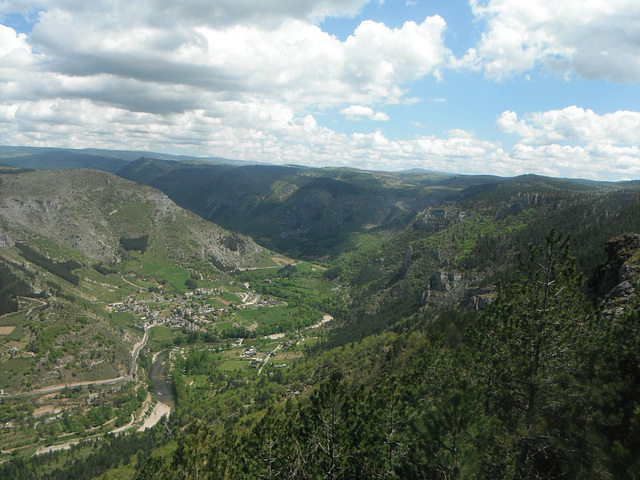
63, 270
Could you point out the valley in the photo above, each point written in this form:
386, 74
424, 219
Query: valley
409, 325
77, 391
319, 240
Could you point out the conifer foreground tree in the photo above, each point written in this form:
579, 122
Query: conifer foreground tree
532, 348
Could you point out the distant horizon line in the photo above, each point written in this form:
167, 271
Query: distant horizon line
134, 155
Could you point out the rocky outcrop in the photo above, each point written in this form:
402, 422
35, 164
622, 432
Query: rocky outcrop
442, 285
615, 282
436, 219
526, 200
443, 282
478, 298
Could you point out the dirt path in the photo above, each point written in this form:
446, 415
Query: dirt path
61, 446
325, 319
130, 283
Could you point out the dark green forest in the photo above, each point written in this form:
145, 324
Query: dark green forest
11, 287
63, 270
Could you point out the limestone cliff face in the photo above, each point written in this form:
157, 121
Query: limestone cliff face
616, 281
90, 211
436, 219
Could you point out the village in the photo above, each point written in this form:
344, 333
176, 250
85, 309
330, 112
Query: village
192, 311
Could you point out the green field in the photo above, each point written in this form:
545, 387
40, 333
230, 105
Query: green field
155, 265
163, 334
224, 326
269, 317
12, 372
215, 303
233, 365
230, 297
123, 319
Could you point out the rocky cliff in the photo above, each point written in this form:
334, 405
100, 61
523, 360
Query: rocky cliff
91, 211
615, 282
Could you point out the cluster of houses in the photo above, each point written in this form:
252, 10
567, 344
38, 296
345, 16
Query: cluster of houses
190, 311
251, 353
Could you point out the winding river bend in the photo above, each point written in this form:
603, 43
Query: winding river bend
163, 388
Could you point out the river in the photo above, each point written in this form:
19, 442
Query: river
163, 393
163, 390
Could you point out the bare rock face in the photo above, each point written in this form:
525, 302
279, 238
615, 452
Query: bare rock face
444, 286
5, 240
91, 211
439, 282
436, 219
525, 200
615, 282
479, 298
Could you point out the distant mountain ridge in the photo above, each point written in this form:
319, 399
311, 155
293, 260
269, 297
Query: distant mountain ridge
299, 210
49, 158
303, 211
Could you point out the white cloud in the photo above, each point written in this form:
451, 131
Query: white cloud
596, 39
97, 50
576, 142
15, 54
276, 134
380, 117
357, 112
190, 12
573, 124
380, 57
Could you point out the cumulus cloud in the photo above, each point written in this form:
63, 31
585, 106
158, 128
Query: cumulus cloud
276, 136
596, 39
547, 145
358, 112
15, 54
573, 124
94, 49
191, 12
380, 56
573, 139
247, 79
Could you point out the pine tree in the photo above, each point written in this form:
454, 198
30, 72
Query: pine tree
530, 351
324, 435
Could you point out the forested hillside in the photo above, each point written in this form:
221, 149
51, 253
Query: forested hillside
543, 385
482, 328
303, 211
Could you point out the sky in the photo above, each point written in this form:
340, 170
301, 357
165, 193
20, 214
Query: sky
502, 87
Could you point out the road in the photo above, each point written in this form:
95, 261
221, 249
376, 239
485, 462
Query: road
111, 381
271, 354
